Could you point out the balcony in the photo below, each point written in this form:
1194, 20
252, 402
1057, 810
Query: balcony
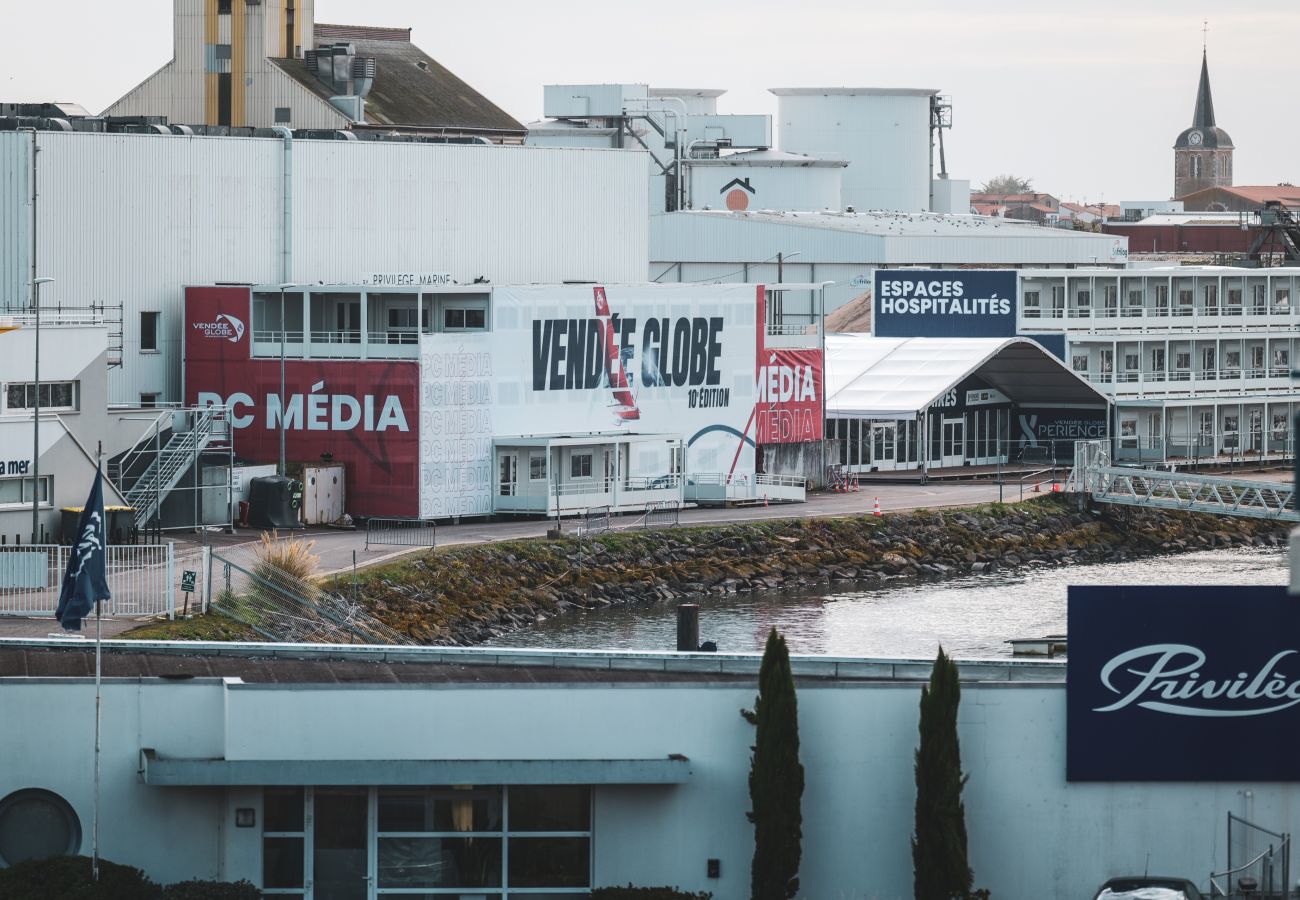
1231, 382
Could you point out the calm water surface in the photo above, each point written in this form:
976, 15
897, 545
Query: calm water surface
971, 616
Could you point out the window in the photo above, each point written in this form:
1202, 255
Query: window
1279, 426
404, 318
537, 466
1232, 360
1185, 298
678, 463
444, 842
1282, 301
54, 395
149, 332
223, 7
580, 465
1132, 362
1157, 359
1207, 424
1109, 296
1107, 361
460, 319
1257, 360
221, 51
1212, 299
1084, 299
36, 824
1234, 300
1080, 362
283, 115
149, 400
1183, 360
1281, 361
16, 493
1033, 305
1258, 305
1162, 298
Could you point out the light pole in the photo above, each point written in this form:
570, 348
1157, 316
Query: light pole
284, 287
36, 418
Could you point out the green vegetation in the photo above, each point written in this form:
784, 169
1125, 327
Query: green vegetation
775, 778
210, 627
941, 869
69, 878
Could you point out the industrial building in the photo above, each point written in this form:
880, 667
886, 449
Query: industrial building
836, 148
844, 249
241, 64
381, 772
126, 221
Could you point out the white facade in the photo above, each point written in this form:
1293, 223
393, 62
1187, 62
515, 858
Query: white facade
845, 249
765, 179
1032, 835
884, 133
131, 219
1198, 359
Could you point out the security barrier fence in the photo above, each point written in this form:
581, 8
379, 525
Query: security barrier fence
144, 579
594, 521
400, 532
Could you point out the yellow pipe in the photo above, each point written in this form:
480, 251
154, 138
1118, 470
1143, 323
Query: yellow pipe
238, 71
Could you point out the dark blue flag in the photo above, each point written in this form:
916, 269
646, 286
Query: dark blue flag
86, 580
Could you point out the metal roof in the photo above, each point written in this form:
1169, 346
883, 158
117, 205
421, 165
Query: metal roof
891, 223
778, 158
896, 378
853, 92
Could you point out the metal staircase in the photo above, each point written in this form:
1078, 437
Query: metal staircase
191, 433
1132, 486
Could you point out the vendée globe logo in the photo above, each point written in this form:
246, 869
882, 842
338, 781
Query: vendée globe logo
223, 327
1167, 678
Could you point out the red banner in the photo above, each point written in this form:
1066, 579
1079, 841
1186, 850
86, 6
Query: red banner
361, 413
787, 400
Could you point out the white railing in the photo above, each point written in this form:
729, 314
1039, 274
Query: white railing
144, 579
717, 487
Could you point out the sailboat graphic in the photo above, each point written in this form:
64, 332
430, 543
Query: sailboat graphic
625, 408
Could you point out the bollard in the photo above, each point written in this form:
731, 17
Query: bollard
688, 627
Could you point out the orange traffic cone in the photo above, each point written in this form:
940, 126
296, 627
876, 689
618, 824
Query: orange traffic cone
1056, 488
1037, 487
875, 511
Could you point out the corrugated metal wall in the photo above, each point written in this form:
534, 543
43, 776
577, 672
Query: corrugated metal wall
131, 219
15, 217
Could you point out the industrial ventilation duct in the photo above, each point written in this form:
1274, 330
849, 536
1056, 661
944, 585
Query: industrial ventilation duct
348, 76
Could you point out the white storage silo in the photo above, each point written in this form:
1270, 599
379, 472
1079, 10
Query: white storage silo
883, 133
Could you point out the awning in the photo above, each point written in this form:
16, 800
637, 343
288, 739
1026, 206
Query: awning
179, 772
871, 377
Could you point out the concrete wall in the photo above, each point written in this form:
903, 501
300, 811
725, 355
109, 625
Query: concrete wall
1032, 835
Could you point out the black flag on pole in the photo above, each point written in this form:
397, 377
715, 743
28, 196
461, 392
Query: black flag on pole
86, 580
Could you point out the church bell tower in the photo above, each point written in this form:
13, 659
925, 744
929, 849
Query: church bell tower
1202, 153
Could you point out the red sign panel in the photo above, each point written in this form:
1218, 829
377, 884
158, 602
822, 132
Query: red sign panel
788, 401
788, 389
361, 413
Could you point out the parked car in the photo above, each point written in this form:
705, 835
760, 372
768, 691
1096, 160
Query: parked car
1147, 887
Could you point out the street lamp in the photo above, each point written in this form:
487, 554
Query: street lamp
287, 286
36, 418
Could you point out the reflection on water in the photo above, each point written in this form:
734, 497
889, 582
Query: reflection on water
971, 616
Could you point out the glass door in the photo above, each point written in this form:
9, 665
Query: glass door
509, 469
339, 846
882, 445
954, 443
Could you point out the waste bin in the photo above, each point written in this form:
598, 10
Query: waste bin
274, 502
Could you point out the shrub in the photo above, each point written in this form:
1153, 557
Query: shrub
291, 557
68, 878
211, 890
647, 893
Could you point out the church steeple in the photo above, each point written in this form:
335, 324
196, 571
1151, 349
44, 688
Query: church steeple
1204, 115
1202, 153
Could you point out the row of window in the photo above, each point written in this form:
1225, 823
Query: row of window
1278, 363
490, 842
1136, 298
53, 395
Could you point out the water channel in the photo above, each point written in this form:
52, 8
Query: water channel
971, 616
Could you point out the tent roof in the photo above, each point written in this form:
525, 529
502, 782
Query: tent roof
890, 378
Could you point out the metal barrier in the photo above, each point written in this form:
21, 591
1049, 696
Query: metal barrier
144, 579
661, 514
594, 521
400, 532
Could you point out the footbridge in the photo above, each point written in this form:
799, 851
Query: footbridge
1095, 474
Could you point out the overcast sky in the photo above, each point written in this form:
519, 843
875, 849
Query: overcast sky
1084, 98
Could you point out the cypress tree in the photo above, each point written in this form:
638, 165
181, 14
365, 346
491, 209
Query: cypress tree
939, 858
775, 778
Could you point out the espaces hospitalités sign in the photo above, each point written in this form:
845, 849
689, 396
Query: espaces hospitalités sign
1183, 684
407, 279
944, 303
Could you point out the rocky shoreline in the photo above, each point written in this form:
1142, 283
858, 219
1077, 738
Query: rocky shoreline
470, 594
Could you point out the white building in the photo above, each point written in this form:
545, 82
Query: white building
845, 249
1197, 358
370, 773
127, 220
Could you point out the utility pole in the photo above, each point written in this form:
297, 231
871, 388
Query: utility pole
36, 411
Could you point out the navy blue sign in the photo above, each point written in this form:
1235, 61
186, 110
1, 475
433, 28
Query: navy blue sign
944, 303
1183, 684
1054, 430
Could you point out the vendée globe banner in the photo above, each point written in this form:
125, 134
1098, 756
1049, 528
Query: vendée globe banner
1183, 684
944, 303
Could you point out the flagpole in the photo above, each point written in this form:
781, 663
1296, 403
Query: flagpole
99, 634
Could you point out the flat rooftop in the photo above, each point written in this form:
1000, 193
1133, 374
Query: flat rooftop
269, 663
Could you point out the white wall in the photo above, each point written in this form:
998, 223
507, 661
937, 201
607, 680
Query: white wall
132, 219
775, 187
884, 134
1032, 835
